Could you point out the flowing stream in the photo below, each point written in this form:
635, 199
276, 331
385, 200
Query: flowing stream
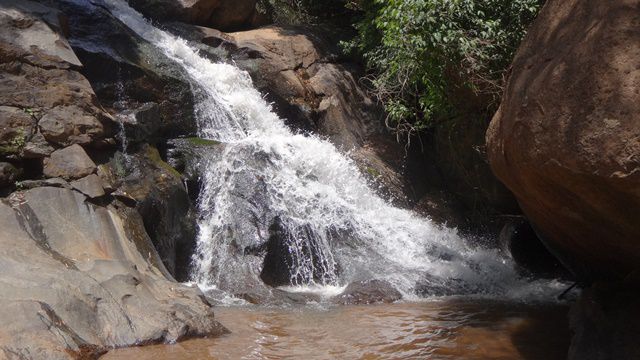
333, 228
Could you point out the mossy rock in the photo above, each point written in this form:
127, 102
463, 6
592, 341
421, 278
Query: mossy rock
154, 155
196, 141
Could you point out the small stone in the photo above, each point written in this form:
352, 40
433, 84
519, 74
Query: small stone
69, 163
37, 147
108, 179
90, 185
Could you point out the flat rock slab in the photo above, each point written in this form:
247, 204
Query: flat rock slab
76, 282
90, 185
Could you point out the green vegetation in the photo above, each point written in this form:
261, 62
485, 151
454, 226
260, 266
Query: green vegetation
373, 172
426, 58
15, 145
299, 12
153, 155
202, 142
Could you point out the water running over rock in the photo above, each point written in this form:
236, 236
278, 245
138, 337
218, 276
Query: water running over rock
283, 208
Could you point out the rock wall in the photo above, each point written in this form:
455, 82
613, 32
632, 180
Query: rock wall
566, 139
81, 273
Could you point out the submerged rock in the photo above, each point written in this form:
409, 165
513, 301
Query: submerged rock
368, 292
94, 288
566, 139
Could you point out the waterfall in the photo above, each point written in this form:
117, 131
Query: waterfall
266, 181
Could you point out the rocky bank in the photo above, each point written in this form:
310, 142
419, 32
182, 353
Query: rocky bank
96, 225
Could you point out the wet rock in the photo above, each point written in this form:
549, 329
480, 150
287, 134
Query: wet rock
142, 124
90, 185
69, 163
603, 322
67, 125
368, 292
109, 180
94, 288
301, 72
16, 126
287, 297
519, 239
128, 73
430, 286
188, 156
8, 174
566, 138
283, 266
166, 209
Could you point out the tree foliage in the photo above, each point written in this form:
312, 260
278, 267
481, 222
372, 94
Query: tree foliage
420, 51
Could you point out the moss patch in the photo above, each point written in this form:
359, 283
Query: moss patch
153, 155
15, 145
373, 172
202, 142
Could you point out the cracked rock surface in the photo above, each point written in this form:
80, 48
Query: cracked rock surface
77, 282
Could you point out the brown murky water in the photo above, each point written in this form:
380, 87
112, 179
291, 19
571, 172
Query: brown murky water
429, 330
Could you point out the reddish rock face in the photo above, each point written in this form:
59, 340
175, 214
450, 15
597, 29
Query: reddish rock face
220, 14
566, 139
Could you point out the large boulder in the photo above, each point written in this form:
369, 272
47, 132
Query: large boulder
161, 199
77, 282
220, 14
566, 139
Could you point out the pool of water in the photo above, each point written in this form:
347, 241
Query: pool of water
445, 329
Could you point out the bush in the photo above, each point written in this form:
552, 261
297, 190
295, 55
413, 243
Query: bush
305, 12
422, 53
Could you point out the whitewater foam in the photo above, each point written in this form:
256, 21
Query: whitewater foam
337, 229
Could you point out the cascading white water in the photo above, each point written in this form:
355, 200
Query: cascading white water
333, 227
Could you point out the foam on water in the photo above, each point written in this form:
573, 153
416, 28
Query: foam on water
337, 229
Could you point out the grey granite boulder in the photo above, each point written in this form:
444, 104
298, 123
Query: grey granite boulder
69, 163
77, 282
